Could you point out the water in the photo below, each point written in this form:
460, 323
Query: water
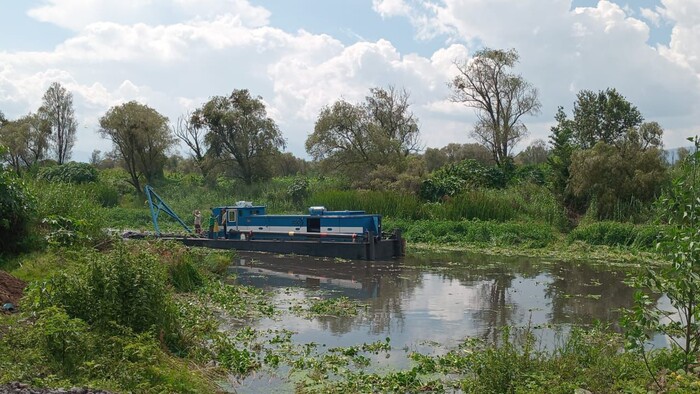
421, 301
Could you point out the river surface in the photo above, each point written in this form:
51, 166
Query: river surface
421, 301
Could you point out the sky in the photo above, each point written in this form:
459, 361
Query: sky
302, 55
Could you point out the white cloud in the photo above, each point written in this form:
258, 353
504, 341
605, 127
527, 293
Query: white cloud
175, 55
651, 15
565, 50
77, 14
389, 8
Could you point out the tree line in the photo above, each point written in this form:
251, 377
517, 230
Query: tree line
602, 154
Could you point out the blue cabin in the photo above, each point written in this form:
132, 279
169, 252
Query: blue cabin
245, 221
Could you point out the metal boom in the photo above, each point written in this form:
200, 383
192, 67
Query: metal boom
161, 206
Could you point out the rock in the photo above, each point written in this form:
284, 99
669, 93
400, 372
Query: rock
582, 391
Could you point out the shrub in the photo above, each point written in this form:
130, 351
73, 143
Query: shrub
129, 289
63, 207
454, 178
16, 209
72, 172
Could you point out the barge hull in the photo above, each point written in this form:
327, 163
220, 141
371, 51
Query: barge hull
385, 249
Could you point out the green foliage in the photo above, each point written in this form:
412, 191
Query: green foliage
680, 280
436, 158
355, 139
475, 232
122, 287
560, 157
239, 132
68, 213
610, 175
298, 191
455, 178
616, 234
17, 206
72, 172
55, 350
605, 117
391, 204
141, 137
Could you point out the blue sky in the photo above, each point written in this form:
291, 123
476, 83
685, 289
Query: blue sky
302, 55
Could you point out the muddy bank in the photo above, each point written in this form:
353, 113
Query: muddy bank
11, 290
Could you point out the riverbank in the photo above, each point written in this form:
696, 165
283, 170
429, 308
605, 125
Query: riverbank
187, 352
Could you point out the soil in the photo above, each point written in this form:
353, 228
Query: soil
11, 289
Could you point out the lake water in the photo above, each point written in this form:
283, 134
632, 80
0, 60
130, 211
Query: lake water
419, 302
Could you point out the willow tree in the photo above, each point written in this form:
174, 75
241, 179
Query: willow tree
57, 109
239, 132
354, 139
499, 97
141, 138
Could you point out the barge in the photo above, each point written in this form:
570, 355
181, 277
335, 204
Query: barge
244, 226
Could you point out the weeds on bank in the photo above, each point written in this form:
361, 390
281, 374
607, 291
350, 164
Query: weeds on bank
134, 318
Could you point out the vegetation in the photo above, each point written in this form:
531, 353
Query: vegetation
145, 316
240, 132
678, 281
499, 97
355, 140
57, 111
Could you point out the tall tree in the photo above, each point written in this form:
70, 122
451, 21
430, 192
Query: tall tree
239, 131
141, 138
603, 117
500, 98
355, 139
57, 108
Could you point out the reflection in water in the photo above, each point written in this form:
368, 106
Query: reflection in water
443, 299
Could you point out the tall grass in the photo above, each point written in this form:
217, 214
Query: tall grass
475, 232
391, 204
616, 234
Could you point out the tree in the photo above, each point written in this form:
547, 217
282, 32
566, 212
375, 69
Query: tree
193, 137
26, 140
559, 159
454, 153
604, 116
536, 153
239, 131
355, 139
141, 138
499, 97
617, 178
57, 109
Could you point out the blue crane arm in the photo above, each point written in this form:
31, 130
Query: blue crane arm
160, 205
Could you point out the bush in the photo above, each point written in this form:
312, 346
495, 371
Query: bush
454, 178
16, 209
122, 287
65, 208
69, 173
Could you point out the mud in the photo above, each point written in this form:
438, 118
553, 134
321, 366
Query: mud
11, 289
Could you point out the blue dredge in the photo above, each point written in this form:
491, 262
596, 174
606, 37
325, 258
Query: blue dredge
244, 226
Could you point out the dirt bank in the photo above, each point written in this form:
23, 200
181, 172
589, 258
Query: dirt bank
11, 289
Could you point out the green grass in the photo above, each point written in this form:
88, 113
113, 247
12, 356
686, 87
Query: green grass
475, 232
